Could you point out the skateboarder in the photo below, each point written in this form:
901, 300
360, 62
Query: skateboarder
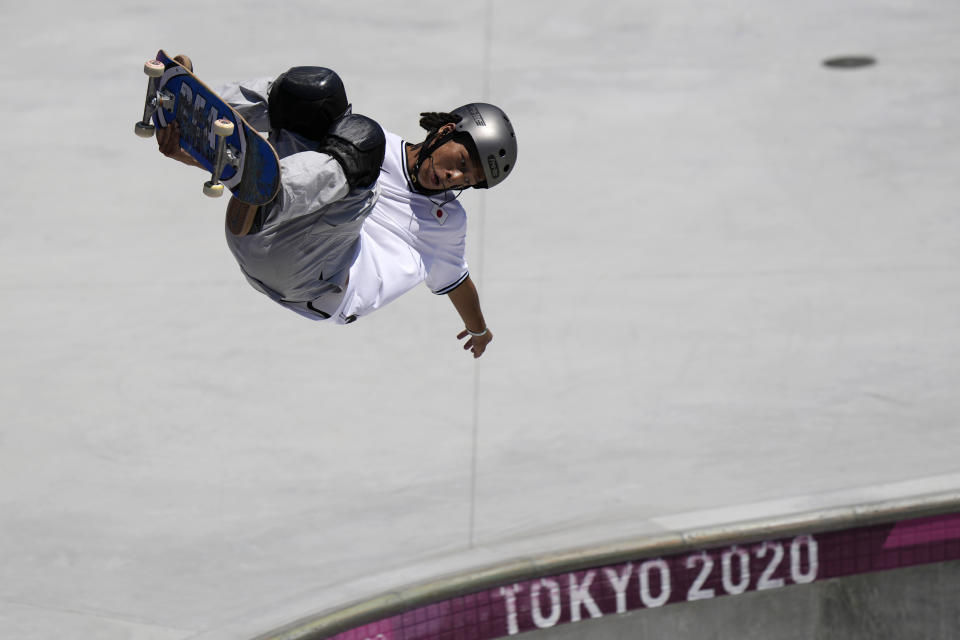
362, 215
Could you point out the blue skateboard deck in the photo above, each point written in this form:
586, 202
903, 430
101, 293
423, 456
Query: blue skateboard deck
251, 168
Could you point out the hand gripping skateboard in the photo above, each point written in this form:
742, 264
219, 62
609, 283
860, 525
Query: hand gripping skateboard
215, 135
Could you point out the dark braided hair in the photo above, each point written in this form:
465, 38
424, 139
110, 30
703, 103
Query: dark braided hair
433, 120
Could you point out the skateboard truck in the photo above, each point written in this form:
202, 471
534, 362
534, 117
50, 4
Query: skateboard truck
154, 100
223, 129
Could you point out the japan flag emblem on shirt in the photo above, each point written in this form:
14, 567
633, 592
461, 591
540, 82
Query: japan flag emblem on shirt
439, 214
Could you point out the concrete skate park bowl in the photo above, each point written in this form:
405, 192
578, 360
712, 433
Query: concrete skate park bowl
881, 570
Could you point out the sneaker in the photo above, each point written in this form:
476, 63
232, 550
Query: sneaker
243, 219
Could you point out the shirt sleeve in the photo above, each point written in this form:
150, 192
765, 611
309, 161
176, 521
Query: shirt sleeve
249, 98
459, 281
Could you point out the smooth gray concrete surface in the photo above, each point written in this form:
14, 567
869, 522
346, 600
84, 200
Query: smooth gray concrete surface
722, 275
918, 602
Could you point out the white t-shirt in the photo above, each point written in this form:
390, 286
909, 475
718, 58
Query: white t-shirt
407, 239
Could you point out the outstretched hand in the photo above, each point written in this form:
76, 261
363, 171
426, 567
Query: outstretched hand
476, 344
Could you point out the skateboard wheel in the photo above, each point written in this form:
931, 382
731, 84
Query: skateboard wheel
213, 190
153, 68
223, 128
144, 130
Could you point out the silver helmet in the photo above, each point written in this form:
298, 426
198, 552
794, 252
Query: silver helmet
492, 134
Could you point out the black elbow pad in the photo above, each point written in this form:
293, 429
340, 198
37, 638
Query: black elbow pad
358, 144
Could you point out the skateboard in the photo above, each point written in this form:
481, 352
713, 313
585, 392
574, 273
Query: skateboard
215, 135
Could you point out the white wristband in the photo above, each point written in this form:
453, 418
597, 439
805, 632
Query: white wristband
476, 334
